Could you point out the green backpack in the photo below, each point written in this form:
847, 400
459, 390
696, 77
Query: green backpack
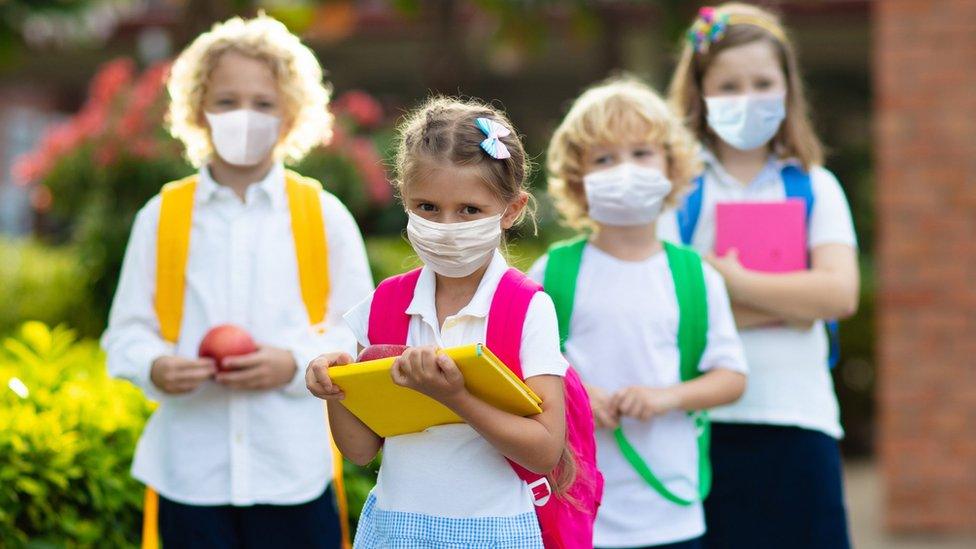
562, 270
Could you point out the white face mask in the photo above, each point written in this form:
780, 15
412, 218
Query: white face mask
243, 137
626, 194
747, 121
454, 250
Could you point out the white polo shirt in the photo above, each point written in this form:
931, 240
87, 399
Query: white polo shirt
789, 381
217, 446
451, 470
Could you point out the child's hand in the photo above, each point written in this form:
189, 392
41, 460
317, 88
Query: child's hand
317, 376
267, 368
728, 266
423, 369
177, 375
644, 403
605, 415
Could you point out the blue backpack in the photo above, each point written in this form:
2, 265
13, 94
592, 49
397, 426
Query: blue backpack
797, 184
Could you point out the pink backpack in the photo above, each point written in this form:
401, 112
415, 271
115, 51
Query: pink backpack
565, 523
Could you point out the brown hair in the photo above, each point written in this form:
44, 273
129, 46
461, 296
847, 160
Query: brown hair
619, 108
443, 130
795, 137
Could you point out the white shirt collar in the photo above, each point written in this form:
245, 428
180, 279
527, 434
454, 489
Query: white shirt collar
272, 186
770, 172
423, 297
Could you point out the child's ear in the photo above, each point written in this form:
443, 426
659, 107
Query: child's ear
514, 211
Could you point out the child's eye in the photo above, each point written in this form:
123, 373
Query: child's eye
470, 210
643, 153
603, 160
729, 87
763, 84
426, 207
225, 102
266, 105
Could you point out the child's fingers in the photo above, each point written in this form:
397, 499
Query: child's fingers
396, 372
341, 359
192, 375
250, 378
448, 368
244, 361
321, 375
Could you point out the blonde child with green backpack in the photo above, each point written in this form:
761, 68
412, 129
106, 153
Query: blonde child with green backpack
238, 451
648, 326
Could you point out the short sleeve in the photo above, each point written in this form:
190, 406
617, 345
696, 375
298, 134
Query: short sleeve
357, 319
724, 347
538, 270
830, 221
540, 352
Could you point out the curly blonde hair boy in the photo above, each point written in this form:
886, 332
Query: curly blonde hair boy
294, 66
618, 110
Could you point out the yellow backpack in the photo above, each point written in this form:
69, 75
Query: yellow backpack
172, 250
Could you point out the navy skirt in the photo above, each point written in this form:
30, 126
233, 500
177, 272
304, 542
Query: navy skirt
775, 487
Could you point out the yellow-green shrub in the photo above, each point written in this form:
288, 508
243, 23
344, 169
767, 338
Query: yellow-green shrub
67, 435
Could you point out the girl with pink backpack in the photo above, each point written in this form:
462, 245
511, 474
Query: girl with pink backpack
497, 480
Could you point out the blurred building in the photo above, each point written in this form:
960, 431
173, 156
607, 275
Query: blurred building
924, 55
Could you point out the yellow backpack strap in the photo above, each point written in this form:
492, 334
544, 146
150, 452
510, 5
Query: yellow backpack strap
172, 250
311, 248
312, 251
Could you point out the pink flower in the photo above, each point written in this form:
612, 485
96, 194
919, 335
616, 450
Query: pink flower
362, 107
30, 167
370, 166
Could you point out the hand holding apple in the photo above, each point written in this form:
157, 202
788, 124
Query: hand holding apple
225, 341
266, 368
177, 375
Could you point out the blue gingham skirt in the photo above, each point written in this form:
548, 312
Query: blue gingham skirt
398, 530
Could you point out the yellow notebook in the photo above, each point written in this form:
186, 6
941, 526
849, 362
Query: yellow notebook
390, 410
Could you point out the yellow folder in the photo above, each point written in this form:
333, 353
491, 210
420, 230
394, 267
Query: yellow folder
389, 409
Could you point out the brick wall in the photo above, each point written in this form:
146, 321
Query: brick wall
925, 77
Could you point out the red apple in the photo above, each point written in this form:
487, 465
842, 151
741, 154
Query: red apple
226, 341
376, 352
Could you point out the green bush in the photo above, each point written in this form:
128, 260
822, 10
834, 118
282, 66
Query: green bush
44, 283
67, 435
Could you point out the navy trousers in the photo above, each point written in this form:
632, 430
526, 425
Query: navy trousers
313, 525
775, 487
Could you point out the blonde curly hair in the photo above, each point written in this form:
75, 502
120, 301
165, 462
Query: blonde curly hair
295, 68
620, 109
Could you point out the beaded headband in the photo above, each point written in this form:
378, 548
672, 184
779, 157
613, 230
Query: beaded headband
710, 26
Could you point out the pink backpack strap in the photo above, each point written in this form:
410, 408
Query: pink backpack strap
506, 317
388, 318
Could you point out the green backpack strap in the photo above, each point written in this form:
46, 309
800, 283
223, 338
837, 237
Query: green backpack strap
689, 286
562, 270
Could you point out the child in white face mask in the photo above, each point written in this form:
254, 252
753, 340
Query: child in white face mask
739, 89
240, 455
462, 171
649, 328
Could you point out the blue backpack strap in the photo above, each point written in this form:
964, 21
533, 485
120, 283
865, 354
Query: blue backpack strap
798, 184
689, 212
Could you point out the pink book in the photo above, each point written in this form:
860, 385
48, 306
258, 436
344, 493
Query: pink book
770, 236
